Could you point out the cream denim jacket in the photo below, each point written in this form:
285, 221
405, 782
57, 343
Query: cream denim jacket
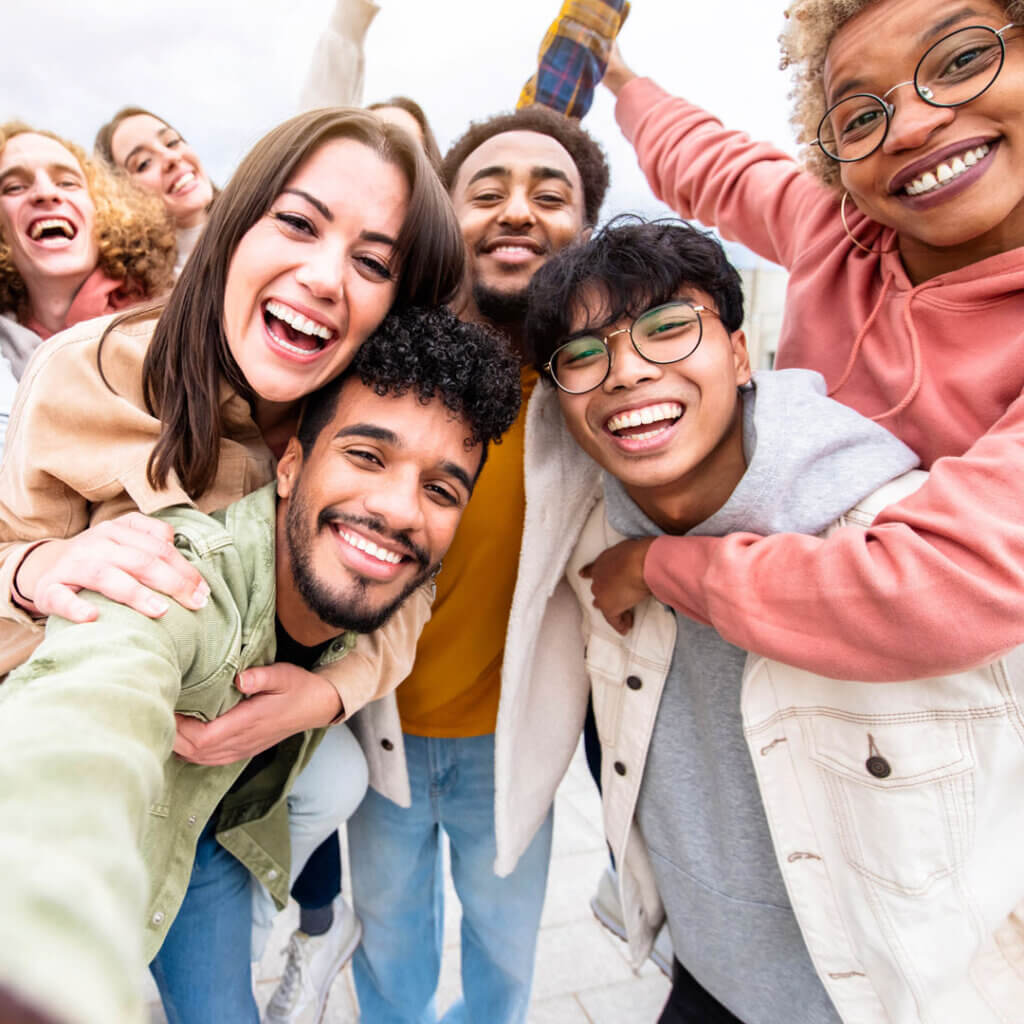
76, 455
895, 810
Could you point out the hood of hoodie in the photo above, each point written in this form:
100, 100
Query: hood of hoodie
17, 343
809, 460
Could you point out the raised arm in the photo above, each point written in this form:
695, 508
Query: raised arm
935, 585
335, 76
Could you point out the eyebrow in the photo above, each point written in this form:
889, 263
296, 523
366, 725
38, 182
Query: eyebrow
537, 173
324, 211
59, 168
385, 436
855, 85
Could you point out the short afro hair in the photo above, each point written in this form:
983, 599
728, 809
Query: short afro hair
632, 265
586, 154
431, 352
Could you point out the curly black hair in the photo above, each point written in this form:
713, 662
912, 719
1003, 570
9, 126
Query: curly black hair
586, 154
631, 265
431, 352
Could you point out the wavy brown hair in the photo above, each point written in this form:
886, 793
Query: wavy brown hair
189, 355
134, 235
415, 111
805, 39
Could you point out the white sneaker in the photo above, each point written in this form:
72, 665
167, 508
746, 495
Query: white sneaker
607, 909
313, 963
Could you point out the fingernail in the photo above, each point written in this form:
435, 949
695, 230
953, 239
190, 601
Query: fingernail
201, 594
156, 606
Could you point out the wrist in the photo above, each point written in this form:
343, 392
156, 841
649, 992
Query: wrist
616, 79
25, 578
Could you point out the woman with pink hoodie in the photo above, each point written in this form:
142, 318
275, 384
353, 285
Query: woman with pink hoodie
902, 238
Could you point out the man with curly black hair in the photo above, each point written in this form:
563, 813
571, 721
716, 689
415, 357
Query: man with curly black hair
469, 758
366, 503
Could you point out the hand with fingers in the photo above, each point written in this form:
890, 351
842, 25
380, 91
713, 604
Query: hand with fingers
131, 560
617, 581
283, 700
616, 74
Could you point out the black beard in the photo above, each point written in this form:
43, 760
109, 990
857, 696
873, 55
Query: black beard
348, 612
501, 308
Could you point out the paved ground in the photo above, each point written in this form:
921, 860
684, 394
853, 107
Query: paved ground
582, 974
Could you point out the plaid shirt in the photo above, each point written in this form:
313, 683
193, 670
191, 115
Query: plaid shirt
574, 54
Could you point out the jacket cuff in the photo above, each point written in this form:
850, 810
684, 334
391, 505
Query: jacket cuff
674, 569
352, 18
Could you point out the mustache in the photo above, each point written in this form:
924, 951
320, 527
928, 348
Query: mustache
330, 517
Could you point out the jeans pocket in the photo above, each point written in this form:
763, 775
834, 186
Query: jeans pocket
902, 796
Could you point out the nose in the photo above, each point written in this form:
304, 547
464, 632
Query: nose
170, 158
517, 211
323, 272
628, 368
397, 498
44, 190
913, 121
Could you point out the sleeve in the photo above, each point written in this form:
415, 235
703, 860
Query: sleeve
934, 586
573, 56
382, 659
8, 386
85, 728
335, 76
749, 191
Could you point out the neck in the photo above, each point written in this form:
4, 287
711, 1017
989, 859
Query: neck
513, 331
50, 299
277, 422
295, 616
193, 220
697, 495
923, 261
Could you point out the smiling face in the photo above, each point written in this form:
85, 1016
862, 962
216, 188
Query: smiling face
947, 179
370, 512
671, 432
47, 216
519, 199
159, 160
314, 276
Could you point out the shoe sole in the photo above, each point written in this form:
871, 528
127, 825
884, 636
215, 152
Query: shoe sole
618, 930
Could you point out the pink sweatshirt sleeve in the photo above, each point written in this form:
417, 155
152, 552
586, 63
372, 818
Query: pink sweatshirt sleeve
935, 585
750, 191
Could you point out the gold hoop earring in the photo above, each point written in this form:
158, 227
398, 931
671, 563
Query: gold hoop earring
849, 233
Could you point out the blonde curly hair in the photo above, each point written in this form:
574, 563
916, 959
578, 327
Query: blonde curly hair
810, 28
134, 234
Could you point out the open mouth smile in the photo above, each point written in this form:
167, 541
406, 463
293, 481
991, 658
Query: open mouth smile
295, 333
946, 171
183, 183
640, 427
52, 228
368, 557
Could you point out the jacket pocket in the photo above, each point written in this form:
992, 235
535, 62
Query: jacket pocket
902, 796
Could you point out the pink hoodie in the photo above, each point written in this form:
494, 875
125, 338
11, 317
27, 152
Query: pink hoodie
937, 583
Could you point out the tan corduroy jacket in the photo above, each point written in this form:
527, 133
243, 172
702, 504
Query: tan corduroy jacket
76, 455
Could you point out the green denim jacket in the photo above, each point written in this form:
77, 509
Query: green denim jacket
86, 728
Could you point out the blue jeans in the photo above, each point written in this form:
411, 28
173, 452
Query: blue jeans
397, 890
203, 969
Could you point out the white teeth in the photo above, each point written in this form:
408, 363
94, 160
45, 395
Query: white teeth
946, 172
512, 248
298, 322
641, 417
53, 222
185, 179
375, 551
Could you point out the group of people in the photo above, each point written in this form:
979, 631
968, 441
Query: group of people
266, 569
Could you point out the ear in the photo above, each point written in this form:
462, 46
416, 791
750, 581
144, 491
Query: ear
584, 235
288, 468
740, 357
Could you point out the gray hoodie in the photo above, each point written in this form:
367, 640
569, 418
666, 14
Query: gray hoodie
809, 459
17, 344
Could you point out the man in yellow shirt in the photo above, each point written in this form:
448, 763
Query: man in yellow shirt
524, 185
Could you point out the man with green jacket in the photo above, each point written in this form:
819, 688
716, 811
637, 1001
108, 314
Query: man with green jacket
95, 810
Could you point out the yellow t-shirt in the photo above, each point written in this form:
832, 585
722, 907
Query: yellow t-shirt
456, 682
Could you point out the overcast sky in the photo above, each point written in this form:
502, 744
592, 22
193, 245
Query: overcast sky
224, 71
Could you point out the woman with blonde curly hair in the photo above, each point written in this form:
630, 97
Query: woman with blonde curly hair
903, 234
75, 243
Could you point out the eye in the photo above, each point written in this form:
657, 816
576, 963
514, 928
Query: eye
550, 199
296, 222
141, 166
13, 188
488, 196
443, 495
375, 267
364, 455
171, 143
70, 183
